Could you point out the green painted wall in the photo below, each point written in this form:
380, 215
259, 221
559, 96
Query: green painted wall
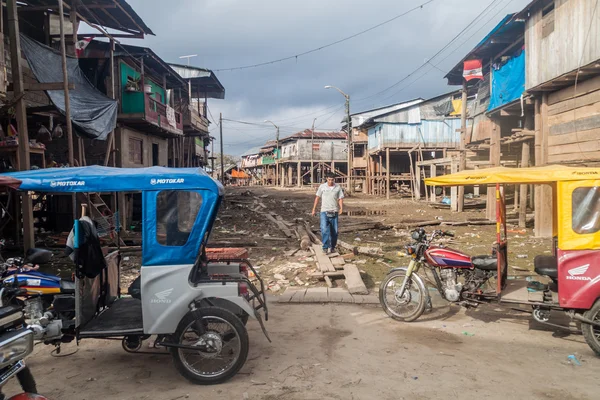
133, 102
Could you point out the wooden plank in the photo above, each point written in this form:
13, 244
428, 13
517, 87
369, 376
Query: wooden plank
328, 281
354, 280
574, 157
322, 275
279, 224
572, 104
576, 125
574, 114
338, 262
575, 137
322, 260
583, 88
578, 147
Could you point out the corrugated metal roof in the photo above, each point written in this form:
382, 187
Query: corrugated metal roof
308, 133
251, 152
204, 81
438, 133
358, 119
116, 14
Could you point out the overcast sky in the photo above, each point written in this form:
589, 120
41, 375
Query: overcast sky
232, 33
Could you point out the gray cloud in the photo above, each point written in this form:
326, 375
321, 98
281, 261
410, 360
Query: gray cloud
230, 33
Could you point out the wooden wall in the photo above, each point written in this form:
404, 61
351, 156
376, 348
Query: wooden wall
574, 123
557, 42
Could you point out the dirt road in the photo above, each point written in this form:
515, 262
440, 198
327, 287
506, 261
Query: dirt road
347, 352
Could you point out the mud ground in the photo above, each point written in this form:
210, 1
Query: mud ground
336, 351
239, 224
347, 352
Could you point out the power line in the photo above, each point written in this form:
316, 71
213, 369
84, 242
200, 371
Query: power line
489, 8
327, 45
435, 55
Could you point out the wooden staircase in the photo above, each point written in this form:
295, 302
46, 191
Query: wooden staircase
107, 221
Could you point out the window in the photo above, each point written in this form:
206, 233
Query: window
136, 151
176, 213
548, 20
586, 210
154, 154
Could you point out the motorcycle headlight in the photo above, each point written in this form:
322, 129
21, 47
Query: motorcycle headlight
416, 235
15, 346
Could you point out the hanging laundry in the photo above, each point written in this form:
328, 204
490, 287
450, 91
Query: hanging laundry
473, 69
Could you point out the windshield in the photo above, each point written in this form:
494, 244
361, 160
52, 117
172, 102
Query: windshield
586, 210
176, 213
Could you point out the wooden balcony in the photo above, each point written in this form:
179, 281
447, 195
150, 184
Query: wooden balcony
194, 121
154, 119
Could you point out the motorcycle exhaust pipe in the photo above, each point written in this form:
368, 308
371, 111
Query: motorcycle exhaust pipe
581, 318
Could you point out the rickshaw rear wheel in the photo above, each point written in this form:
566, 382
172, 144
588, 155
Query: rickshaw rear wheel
591, 333
209, 316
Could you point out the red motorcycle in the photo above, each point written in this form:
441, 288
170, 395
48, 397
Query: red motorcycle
572, 271
459, 277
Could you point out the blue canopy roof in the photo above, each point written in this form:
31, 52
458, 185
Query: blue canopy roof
109, 179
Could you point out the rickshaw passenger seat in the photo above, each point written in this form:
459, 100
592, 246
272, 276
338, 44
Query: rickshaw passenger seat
486, 262
546, 265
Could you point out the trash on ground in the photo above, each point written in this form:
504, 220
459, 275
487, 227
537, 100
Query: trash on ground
573, 360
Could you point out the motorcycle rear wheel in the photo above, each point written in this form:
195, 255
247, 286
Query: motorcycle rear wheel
411, 304
590, 332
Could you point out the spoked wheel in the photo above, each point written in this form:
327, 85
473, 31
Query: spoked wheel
407, 306
220, 343
592, 333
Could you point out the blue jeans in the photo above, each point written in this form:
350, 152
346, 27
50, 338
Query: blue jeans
329, 231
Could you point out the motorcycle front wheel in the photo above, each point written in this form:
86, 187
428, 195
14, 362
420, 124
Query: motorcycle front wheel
407, 306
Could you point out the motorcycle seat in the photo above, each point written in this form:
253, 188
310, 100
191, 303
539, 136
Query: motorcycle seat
67, 287
486, 262
546, 265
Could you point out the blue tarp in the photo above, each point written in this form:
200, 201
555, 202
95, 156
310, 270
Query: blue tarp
109, 179
508, 82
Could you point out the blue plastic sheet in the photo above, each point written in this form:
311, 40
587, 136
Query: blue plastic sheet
508, 82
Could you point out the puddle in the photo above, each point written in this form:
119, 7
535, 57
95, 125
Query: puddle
365, 212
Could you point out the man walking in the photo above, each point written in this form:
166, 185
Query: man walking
331, 195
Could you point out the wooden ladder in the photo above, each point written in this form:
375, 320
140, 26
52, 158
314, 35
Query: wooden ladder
101, 213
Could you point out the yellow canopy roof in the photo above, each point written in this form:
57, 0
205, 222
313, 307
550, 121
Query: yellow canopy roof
545, 174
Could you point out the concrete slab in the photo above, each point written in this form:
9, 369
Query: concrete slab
365, 299
286, 296
313, 297
298, 296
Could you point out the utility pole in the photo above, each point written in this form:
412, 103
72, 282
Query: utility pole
212, 157
276, 153
350, 145
21, 116
349, 128
463, 137
312, 151
221, 142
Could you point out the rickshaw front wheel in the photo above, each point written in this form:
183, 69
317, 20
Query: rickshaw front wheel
219, 345
590, 332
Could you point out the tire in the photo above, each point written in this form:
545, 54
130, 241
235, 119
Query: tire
591, 333
210, 314
413, 285
26, 380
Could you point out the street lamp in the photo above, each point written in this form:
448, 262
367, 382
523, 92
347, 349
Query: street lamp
349, 129
276, 151
312, 151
